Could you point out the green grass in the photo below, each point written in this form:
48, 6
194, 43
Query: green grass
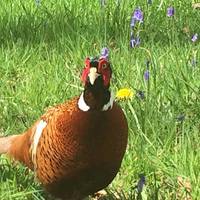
42, 53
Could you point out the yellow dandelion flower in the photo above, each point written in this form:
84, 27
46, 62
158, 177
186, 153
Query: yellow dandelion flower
124, 93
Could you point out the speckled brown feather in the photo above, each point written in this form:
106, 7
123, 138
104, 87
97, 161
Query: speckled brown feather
80, 152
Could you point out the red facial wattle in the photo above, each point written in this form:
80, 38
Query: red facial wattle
103, 69
86, 71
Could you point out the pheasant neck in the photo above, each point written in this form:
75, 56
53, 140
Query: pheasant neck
92, 99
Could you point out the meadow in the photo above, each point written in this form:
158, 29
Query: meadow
43, 45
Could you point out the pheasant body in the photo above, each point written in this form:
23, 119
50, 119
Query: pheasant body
74, 152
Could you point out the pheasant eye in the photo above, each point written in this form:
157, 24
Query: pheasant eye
104, 66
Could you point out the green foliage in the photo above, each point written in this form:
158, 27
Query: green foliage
42, 52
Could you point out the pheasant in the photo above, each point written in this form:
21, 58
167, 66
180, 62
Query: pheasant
76, 148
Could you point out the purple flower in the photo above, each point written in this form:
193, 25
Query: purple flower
141, 183
170, 11
136, 16
104, 52
194, 37
146, 75
134, 41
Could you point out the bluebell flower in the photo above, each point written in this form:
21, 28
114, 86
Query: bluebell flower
141, 183
134, 41
104, 53
170, 11
146, 75
138, 15
194, 37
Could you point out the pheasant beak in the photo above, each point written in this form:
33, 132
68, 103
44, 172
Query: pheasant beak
93, 75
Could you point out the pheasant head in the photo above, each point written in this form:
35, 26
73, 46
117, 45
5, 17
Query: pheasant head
96, 77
